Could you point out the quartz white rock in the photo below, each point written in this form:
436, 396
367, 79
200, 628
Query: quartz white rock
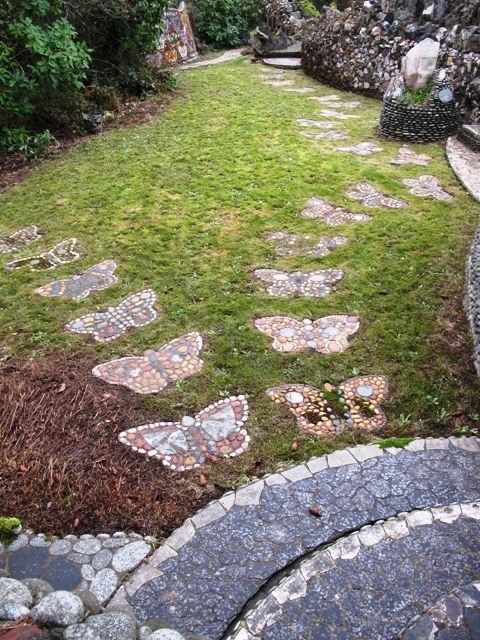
418, 66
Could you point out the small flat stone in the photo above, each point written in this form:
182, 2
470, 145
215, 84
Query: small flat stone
60, 547
113, 626
104, 584
102, 559
317, 464
87, 547
181, 536
130, 556
300, 472
249, 495
210, 514
340, 458
80, 632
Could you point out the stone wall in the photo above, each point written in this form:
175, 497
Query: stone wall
361, 47
472, 300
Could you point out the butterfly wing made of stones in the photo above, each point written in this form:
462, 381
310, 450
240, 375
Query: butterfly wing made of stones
61, 253
19, 239
363, 395
313, 412
219, 428
152, 372
277, 283
96, 278
138, 309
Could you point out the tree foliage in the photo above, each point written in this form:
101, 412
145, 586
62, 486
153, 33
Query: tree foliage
225, 23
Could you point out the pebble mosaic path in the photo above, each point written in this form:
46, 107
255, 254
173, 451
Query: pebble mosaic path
326, 135
96, 278
62, 253
372, 198
200, 579
427, 187
215, 432
325, 335
318, 124
361, 149
290, 244
408, 156
370, 571
337, 115
135, 311
19, 239
152, 372
313, 284
319, 209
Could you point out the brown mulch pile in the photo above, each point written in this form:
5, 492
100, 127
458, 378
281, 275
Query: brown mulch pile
62, 469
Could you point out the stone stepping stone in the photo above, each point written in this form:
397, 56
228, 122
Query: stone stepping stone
62, 253
152, 372
326, 335
327, 135
336, 103
465, 162
283, 63
135, 311
301, 90
328, 113
408, 156
289, 244
355, 403
372, 198
319, 124
427, 187
228, 551
96, 278
215, 432
19, 239
361, 149
310, 284
327, 99
319, 209
387, 571
278, 83
454, 616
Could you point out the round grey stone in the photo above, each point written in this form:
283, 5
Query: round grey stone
104, 584
38, 541
87, 572
78, 558
38, 588
60, 547
15, 591
102, 559
87, 536
87, 546
113, 626
90, 601
19, 542
80, 632
114, 543
13, 611
130, 556
58, 609
166, 634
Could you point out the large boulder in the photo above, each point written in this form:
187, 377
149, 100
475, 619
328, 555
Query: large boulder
419, 65
58, 609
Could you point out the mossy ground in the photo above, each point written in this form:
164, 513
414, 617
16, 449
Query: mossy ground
183, 203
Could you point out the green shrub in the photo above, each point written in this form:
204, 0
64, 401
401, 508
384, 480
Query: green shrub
8, 526
225, 23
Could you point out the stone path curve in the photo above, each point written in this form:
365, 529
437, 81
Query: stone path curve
201, 577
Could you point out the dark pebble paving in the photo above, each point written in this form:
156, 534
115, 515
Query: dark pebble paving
225, 563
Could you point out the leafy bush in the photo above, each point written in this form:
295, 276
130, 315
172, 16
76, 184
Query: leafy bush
225, 23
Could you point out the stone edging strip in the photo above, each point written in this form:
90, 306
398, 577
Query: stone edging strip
472, 298
268, 608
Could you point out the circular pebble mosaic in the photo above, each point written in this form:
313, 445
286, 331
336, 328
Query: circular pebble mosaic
313, 284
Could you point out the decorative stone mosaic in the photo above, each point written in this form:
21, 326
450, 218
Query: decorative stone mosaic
318, 124
19, 239
135, 311
301, 90
408, 156
216, 432
317, 208
427, 187
336, 103
355, 403
472, 299
337, 115
313, 284
96, 278
61, 253
372, 198
361, 149
278, 83
327, 135
325, 335
326, 99
152, 372
289, 244
466, 164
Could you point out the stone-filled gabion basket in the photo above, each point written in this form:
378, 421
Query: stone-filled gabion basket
436, 119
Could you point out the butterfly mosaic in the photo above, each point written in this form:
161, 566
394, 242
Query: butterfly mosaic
337, 115
319, 209
289, 244
319, 124
373, 198
135, 311
361, 149
324, 135
427, 187
152, 372
325, 335
61, 253
216, 432
96, 278
19, 239
408, 156
353, 404
312, 284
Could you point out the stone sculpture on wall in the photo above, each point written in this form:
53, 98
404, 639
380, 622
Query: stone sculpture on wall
177, 43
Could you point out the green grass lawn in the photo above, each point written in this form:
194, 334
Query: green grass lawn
182, 204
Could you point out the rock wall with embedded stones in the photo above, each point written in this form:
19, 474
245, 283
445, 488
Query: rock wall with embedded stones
472, 300
361, 47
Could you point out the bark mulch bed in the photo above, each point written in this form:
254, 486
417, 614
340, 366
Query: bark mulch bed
62, 469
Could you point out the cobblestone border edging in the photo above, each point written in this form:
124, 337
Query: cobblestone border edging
200, 578
269, 608
465, 163
472, 298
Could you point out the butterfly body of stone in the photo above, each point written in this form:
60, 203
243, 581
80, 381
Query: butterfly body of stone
215, 432
19, 239
373, 198
317, 208
61, 253
354, 404
135, 311
325, 335
313, 284
96, 278
152, 372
